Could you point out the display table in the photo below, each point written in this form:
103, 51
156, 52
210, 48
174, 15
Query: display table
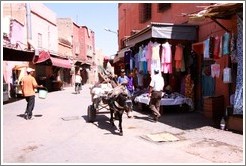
173, 99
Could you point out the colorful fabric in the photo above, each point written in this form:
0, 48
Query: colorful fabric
189, 86
166, 58
178, 57
226, 43
215, 70
238, 99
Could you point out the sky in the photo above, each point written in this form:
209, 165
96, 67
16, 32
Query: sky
96, 16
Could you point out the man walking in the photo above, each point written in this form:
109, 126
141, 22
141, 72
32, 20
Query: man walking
155, 91
28, 85
78, 82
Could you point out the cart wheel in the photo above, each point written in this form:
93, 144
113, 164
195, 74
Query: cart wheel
91, 113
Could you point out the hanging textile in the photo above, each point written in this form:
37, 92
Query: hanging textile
233, 48
206, 48
227, 75
208, 82
226, 43
166, 58
238, 99
178, 57
216, 50
215, 70
155, 60
189, 85
149, 55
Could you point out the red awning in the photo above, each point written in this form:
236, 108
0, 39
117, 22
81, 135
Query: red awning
64, 63
43, 56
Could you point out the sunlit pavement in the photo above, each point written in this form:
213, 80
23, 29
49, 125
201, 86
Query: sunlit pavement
60, 133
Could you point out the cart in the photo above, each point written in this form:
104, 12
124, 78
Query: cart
101, 99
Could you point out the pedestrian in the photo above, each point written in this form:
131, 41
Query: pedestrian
122, 79
155, 92
28, 85
78, 81
130, 85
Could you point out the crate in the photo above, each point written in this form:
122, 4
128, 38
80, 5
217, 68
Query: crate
213, 108
235, 123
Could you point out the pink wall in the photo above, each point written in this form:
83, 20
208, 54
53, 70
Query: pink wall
65, 32
76, 43
87, 39
16, 33
44, 22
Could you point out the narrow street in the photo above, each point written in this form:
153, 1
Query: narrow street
60, 133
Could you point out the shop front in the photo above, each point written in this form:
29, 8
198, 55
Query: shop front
221, 64
52, 71
167, 47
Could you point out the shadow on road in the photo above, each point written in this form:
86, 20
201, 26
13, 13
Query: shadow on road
11, 100
178, 118
103, 123
23, 116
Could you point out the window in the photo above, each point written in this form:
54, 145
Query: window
144, 12
39, 40
163, 6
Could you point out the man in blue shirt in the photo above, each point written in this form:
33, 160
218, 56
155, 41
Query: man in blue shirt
122, 79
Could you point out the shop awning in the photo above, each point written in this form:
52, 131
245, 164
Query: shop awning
43, 56
217, 11
64, 63
78, 63
165, 31
120, 54
11, 54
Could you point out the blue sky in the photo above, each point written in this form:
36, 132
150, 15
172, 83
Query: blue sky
96, 16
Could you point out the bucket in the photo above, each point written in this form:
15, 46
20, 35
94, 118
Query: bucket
42, 93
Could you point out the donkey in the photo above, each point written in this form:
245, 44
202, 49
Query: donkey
119, 102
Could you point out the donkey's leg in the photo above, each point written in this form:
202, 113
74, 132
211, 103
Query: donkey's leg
120, 123
112, 117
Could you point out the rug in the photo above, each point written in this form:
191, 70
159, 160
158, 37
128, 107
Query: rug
162, 137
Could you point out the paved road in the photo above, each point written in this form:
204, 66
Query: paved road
59, 133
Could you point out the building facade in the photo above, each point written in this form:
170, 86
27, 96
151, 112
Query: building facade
140, 23
23, 41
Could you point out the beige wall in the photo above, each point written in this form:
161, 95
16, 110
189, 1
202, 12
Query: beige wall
65, 33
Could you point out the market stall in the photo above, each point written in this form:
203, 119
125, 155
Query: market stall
173, 99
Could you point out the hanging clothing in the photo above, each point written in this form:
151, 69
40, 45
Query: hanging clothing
166, 58
208, 82
155, 59
211, 46
206, 48
226, 43
221, 46
127, 56
216, 50
178, 57
189, 87
156, 51
208, 87
233, 49
149, 55
215, 70
227, 75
